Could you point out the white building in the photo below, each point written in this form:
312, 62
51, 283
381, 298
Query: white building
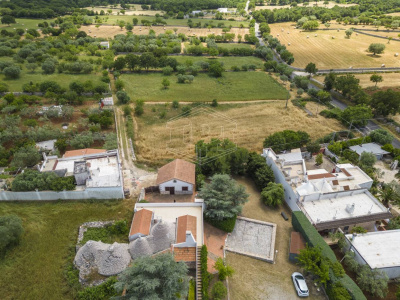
344, 209
105, 45
379, 250
177, 177
99, 172
370, 148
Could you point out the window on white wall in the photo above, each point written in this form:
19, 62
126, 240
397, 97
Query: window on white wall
185, 188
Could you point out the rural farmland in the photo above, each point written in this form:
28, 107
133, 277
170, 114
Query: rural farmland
328, 53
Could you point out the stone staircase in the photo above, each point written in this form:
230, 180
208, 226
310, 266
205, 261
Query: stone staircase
199, 294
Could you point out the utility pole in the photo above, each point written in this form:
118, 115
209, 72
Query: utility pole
287, 98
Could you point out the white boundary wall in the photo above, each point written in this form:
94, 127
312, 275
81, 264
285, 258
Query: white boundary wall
88, 193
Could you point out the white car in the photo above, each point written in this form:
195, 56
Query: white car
300, 284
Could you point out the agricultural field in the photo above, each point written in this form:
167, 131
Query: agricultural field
330, 5
249, 124
109, 31
15, 85
328, 53
228, 61
233, 86
114, 19
389, 80
24, 24
35, 268
137, 11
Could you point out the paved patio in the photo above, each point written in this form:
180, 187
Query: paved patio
253, 238
159, 198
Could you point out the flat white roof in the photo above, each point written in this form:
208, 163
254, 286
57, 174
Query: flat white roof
358, 176
369, 147
169, 212
379, 249
333, 206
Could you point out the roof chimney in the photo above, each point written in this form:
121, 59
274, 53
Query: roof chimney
353, 237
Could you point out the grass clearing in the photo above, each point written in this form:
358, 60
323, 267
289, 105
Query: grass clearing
235, 45
233, 86
25, 24
255, 279
110, 31
15, 85
328, 53
34, 269
228, 61
248, 125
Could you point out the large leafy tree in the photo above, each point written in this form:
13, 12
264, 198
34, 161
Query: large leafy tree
26, 157
10, 231
381, 136
273, 194
376, 48
286, 140
386, 103
223, 197
357, 115
312, 260
156, 278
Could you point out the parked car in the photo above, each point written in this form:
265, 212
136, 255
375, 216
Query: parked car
300, 284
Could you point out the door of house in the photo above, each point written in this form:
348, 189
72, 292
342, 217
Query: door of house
172, 190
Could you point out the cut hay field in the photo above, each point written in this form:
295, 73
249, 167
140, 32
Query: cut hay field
109, 31
328, 53
138, 11
35, 268
389, 80
233, 86
330, 5
246, 124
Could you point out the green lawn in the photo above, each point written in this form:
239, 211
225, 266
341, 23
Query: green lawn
234, 45
15, 85
35, 268
233, 86
28, 24
112, 19
228, 61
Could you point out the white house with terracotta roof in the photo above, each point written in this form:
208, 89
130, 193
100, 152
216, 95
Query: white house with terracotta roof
177, 177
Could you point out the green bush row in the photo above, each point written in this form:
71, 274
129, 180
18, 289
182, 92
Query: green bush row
301, 224
226, 225
205, 276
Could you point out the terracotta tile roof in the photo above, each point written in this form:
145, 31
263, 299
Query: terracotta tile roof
319, 176
81, 152
177, 169
185, 254
186, 223
141, 222
296, 242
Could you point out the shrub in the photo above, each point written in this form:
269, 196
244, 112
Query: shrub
219, 291
226, 225
381, 136
11, 231
175, 104
103, 291
192, 290
273, 194
223, 269
139, 110
205, 276
167, 70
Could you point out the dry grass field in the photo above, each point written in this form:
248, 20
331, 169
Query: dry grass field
389, 80
111, 31
255, 279
246, 124
328, 53
330, 5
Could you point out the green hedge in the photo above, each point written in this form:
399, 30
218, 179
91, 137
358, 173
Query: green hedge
301, 224
226, 225
205, 276
192, 290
